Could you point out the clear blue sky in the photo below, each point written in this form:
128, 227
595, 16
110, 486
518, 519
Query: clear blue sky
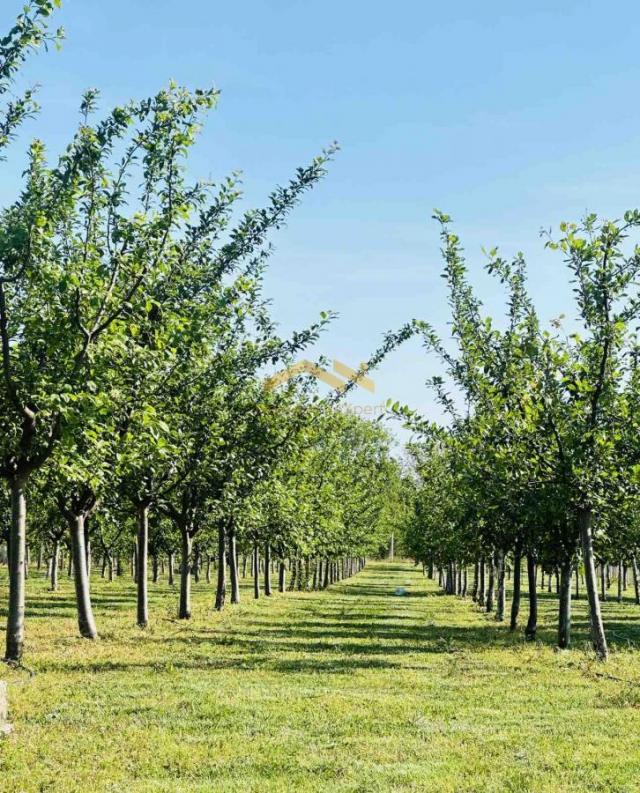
508, 116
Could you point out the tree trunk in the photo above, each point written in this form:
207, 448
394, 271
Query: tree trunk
517, 577
17, 550
221, 588
184, 608
636, 579
256, 571
501, 599
620, 581
482, 588
532, 622
282, 577
564, 614
598, 638
87, 550
233, 564
267, 569
196, 563
170, 568
474, 585
86, 621
603, 583
492, 583
141, 567
55, 564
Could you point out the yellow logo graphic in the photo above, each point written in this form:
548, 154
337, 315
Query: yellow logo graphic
351, 375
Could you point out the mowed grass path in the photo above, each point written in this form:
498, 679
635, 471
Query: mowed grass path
352, 689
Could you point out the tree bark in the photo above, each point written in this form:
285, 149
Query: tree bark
282, 577
517, 578
55, 564
256, 571
564, 613
474, 585
501, 598
482, 587
86, 621
598, 638
142, 565
620, 581
233, 564
532, 622
221, 588
184, 608
267, 569
17, 551
492, 582
636, 579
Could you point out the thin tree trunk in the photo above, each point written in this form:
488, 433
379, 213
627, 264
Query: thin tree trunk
143, 555
620, 581
233, 564
532, 622
501, 599
282, 577
55, 564
636, 579
517, 578
564, 614
170, 567
196, 563
482, 588
267, 569
585, 517
492, 583
474, 585
256, 571
17, 551
184, 607
86, 621
221, 588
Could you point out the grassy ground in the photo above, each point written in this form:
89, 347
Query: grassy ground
353, 689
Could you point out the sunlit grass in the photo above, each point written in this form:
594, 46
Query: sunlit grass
353, 689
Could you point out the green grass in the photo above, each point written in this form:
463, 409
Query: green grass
353, 689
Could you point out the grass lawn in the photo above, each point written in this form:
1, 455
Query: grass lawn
352, 689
